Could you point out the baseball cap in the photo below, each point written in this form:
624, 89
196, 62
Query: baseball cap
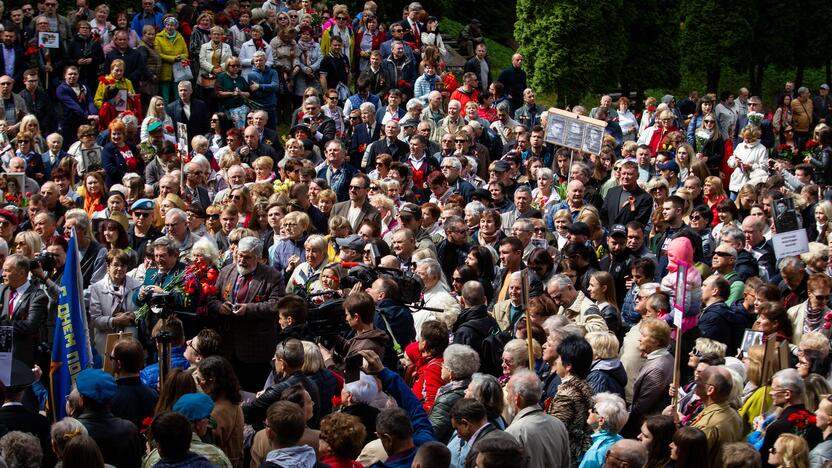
669, 165
725, 249
411, 210
353, 241
618, 230
824, 86
501, 166
578, 229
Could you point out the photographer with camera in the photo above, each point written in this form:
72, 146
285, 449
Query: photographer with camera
158, 282
360, 311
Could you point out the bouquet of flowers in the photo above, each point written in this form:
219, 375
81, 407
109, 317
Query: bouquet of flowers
561, 190
197, 278
810, 150
702, 137
281, 186
755, 118
783, 152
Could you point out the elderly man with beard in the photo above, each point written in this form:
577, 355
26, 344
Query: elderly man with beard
247, 305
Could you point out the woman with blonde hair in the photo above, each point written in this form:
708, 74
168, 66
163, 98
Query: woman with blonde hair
607, 374
789, 451
750, 160
156, 109
684, 158
29, 124
754, 392
114, 79
602, 292
745, 199
28, 244
819, 230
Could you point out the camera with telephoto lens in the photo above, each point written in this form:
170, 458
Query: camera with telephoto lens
410, 285
45, 261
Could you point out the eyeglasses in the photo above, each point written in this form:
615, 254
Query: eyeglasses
696, 352
341, 18
290, 224
723, 254
709, 121
332, 97
172, 225
215, 120
357, 187
374, 187
460, 141
141, 214
539, 229
213, 216
236, 197
695, 218
821, 297
233, 65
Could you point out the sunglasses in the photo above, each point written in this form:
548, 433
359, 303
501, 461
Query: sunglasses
709, 121
141, 214
24, 141
213, 216
821, 297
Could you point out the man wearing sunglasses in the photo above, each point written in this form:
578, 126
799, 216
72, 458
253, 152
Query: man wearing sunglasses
142, 231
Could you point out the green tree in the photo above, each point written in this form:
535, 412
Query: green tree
571, 46
652, 54
714, 34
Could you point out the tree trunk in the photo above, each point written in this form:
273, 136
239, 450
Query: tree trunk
761, 68
639, 104
829, 70
801, 69
712, 80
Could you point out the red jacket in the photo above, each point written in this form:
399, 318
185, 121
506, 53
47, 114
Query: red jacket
428, 376
376, 44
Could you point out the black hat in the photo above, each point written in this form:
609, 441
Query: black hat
618, 230
501, 166
579, 229
482, 194
22, 376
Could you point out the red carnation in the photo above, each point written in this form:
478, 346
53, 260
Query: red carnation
212, 275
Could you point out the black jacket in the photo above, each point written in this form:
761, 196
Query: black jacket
473, 326
440, 415
607, 375
255, 411
197, 124
745, 267
615, 212
400, 320
718, 322
134, 69
18, 418
117, 438
134, 401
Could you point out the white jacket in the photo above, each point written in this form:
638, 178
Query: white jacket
754, 155
247, 51
206, 52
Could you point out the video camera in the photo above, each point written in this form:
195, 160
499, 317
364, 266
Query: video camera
410, 285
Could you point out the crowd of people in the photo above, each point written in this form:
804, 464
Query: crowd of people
411, 274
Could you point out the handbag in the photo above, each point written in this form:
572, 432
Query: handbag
207, 80
181, 72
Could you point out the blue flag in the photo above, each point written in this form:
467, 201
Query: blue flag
71, 350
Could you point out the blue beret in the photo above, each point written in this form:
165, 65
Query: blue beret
96, 384
194, 406
143, 204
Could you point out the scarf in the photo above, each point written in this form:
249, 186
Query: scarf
813, 320
259, 43
171, 37
489, 240
92, 204
305, 48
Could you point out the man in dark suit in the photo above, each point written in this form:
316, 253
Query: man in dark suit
133, 401
627, 202
38, 102
390, 144
359, 137
190, 111
480, 66
268, 136
358, 189
11, 57
336, 171
24, 308
247, 305
15, 416
194, 188
469, 418
413, 27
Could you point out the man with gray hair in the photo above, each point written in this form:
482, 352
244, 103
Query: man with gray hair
196, 175
189, 111
436, 291
247, 306
263, 82
745, 267
321, 126
789, 392
24, 307
176, 227
542, 435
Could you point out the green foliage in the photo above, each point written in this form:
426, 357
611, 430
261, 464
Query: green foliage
651, 46
571, 46
498, 54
